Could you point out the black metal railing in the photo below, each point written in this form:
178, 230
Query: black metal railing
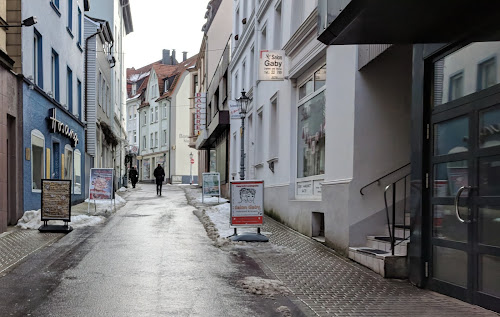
403, 181
380, 178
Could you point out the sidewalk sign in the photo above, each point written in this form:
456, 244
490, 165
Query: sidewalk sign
210, 186
101, 185
56, 204
247, 203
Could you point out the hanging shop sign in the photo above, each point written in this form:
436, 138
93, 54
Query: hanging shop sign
60, 127
101, 183
56, 199
234, 110
200, 113
210, 185
271, 65
247, 203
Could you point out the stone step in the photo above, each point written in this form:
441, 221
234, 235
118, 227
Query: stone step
384, 244
379, 261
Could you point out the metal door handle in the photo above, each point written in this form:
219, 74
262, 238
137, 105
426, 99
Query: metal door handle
457, 199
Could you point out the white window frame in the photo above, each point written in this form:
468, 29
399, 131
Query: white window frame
38, 134
306, 98
75, 153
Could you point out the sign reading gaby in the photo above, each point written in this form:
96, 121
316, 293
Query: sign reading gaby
60, 127
247, 203
271, 65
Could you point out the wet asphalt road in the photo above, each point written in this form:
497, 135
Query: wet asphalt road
152, 258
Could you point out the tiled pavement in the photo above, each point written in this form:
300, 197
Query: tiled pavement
17, 244
330, 285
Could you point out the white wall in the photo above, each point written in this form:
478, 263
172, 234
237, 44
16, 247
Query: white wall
52, 28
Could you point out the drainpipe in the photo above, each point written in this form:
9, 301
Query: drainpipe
169, 138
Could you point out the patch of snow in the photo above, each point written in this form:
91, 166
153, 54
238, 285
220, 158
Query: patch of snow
261, 286
32, 220
122, 189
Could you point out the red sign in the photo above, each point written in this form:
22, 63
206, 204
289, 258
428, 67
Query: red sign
192, 161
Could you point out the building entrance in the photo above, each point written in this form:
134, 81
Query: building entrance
464, 175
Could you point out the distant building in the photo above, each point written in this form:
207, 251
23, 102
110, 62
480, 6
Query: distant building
161, 93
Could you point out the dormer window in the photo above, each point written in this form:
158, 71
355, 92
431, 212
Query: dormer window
166, 85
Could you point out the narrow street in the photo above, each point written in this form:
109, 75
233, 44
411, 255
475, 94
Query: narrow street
152, 258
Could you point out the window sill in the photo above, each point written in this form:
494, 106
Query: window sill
70, 33
56, 9
259, 165
79, 45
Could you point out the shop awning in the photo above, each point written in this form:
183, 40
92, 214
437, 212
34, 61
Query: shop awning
406, 21
220, 122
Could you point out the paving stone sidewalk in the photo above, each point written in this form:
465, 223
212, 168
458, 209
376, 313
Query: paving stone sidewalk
327, 284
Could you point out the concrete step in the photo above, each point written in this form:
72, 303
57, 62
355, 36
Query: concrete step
381, 262
384, 243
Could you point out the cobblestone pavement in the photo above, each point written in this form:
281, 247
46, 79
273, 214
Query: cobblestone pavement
327, 284
17, 244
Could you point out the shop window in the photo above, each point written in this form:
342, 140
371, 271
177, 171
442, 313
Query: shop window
311, 136
77, 187
68, 163
37, 160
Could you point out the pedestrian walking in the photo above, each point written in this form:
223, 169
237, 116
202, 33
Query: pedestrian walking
159, 174
133, 176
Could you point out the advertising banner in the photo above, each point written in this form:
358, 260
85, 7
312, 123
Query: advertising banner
56, 199
211, 184
247, 203
101, 183
271, 65
200, 112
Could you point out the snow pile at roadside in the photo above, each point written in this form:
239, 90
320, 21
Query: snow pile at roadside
261, 286
118, 200
32, 220
122, 189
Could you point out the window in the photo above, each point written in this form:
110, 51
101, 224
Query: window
297, 15
260, 140
164, 111
37, 59
129, 113
152, 115
156, 113
79, 96
135, 136
252, 59
77, 187
221, 153
263, 39
144, 142
70, 16
37, 160
456, 86
108, 101
311, 129
79, 43
69, 92
145, 118
274, 129
156, 139
486, 74
135, 112
165, 136
277, 28
151, 144
68, 163
98, 89
55, 75
55, 3
243, 74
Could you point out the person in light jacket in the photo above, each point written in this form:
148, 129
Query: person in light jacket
159, 174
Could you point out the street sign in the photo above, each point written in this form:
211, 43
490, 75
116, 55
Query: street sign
247, 203
192, 161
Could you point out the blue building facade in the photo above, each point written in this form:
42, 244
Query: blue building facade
53, 141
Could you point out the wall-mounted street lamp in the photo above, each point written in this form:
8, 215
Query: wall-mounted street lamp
243, 102
26, 22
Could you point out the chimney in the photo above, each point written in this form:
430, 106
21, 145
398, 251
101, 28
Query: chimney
166, 58
184, 56
174, 62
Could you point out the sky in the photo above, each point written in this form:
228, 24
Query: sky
163, 24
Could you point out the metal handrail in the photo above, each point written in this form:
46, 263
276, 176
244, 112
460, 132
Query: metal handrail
393, 228
380, 178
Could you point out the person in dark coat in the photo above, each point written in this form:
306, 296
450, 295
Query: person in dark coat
159, 174
133, 176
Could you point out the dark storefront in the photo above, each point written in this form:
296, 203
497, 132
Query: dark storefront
455, 134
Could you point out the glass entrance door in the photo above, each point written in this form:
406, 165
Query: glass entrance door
464, 183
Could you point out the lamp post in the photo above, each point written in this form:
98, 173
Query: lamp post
243, 104
191, 167
26, 22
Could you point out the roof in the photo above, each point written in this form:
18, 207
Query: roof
181, 68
